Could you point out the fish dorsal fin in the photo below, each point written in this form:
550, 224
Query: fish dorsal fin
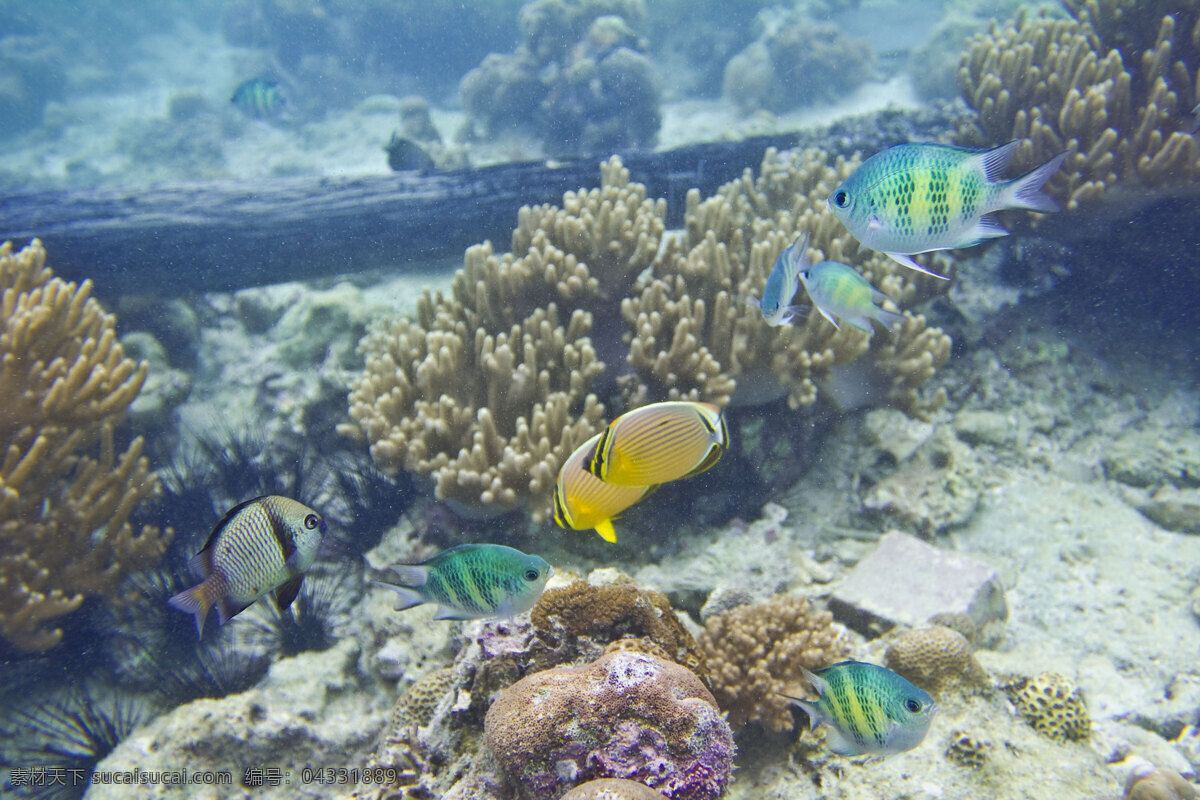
995, 162
286, 592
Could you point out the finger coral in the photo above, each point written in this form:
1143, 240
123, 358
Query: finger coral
65, 492
627, 715
756, 652
1113, 85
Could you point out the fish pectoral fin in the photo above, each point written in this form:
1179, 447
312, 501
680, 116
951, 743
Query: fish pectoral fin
606, 530
907, 261
285, 593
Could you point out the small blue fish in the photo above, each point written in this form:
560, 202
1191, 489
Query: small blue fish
262, 545
914, 198
838, 290
472, 581
260, 98
782, 284
867, 710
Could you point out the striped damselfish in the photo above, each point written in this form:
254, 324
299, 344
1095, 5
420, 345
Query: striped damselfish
660, 442
867, 710
776, 303
471, 581
262, 545
839, 291
914, 198
583, 501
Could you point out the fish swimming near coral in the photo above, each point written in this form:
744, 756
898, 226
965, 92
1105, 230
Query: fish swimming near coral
582, 501
660, 442
260, 98
405, 155
867, 710
471, 581
262, 545
782, 284
839, 291
915, 198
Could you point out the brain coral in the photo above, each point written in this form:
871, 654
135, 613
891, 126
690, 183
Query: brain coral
612, 789
1054, 707
626, 715
935, 658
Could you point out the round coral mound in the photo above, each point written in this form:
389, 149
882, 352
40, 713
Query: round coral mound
626, 715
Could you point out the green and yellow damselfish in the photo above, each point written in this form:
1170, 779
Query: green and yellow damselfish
914, 198
866, 709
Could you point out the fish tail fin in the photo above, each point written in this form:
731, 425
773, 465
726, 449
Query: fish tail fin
606, 530
889, 319
194, 601
1026, 191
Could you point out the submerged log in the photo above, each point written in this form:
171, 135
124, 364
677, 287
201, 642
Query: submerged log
221, 235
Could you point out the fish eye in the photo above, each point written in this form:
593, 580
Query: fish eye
311, 521
912, 706
531, 575
841, 198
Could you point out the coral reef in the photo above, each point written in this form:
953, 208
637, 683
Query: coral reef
580, 82
755, 652
795, 61
627, 715
416, 706
935, 658
612, 789
692, 337
1053, 706
582, 616
1114, 85
490, 388
65, 493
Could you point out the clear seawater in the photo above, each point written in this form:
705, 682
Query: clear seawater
250, 186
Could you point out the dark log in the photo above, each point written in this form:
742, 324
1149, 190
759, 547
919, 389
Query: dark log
222, 235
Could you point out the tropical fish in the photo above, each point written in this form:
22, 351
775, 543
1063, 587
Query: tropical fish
782, 284
659, 442
838, 290
867, 710
471, 581
914, 198
405, 155
259, 546
259, 98
582, 501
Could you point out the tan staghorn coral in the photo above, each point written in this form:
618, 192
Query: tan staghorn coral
488, 390
1114, 86
755, 652
692, 333
65, 493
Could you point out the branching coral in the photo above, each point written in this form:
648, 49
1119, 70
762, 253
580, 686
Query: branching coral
65, 493
486, 389
755, 652
489, 388
1114, 85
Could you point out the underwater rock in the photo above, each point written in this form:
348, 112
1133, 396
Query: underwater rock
626, 715
1175, 509
306, 715
905, 581
1149, 783
165, 388
936, 489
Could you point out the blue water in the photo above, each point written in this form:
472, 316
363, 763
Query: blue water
260, 192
